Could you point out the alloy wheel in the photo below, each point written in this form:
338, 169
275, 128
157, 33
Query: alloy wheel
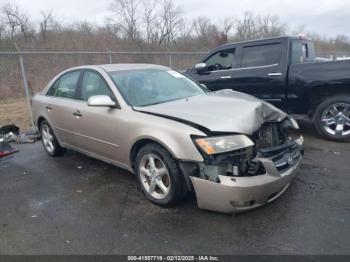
48, 139
336, 119
154, 176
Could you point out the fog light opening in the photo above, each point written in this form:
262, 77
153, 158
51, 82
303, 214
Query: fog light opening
243, 203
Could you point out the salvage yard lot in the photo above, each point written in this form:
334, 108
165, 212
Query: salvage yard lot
78, 205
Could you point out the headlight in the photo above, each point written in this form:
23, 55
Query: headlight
294, 123
216, 145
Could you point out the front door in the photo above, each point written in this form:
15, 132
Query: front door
98, 128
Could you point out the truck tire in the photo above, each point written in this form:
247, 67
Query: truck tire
332, 118
159, 175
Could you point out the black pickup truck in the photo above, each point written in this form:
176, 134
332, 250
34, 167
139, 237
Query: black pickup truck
285, 72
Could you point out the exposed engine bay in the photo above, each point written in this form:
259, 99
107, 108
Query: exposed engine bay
273, 140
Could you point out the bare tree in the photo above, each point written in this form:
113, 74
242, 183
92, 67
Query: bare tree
110, 27
205, 31
251, 27
85, 27
170, 17
150, 18
185, 29
16, 20
270, 26
12, 22
226, 25
126, 12
47, 22
2, 28
246, 27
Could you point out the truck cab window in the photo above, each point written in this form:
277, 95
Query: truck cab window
302, 52
261, 55
221, 60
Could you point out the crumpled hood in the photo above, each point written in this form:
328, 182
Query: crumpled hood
221, 111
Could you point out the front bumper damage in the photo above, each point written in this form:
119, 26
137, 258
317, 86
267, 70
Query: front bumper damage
233, 194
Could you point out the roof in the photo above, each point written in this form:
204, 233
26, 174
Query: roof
120, 67
294, 37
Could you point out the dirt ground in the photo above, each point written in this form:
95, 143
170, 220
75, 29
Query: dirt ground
14, 111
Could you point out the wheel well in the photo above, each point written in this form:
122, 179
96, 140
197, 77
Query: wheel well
40, 120
317, 96
137, 146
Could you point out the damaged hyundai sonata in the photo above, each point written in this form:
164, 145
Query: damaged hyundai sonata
236, 152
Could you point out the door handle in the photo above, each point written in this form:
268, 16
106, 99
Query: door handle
77, 114
274, 74
226, 77
49, 108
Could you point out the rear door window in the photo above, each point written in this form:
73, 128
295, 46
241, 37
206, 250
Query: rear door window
221, 60
261, 55
67, 85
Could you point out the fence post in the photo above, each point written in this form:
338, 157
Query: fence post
170, 61
110, 58
26, 87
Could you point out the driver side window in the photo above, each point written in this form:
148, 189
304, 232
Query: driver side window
92, 84
221, 60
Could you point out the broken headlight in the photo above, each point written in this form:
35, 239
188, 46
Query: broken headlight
290, 123
222, 144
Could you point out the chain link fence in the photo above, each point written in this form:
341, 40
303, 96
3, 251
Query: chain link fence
24, 73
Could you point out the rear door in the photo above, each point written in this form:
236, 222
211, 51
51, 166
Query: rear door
262, 71
219, 74
60, 104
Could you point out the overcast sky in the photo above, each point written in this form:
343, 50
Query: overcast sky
326, 17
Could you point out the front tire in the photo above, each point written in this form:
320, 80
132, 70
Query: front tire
159, 175
49, 140
332, 118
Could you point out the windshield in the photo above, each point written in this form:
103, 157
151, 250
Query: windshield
145, 87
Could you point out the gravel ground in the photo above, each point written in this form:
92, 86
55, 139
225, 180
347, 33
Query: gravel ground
78, 205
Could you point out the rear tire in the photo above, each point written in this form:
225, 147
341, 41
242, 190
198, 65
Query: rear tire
159, 175
49, 140
332, 118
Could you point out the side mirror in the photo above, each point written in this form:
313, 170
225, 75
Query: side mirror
101, 100
202, 69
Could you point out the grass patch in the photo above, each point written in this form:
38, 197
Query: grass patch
15, 111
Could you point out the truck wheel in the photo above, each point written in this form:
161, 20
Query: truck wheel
159, 175
332, 118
